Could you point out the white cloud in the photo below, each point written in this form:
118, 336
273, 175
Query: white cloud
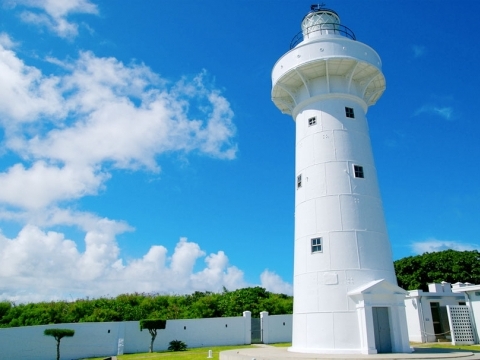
42, 184
274, 283
218, 274
53, 14
25, 93
6, 41
54, 217
72, 129
64, 133
445, 112
68, 132
433, 245
47, 263
39, 265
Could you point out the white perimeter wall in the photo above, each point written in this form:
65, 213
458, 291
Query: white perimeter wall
103, 339
276, 328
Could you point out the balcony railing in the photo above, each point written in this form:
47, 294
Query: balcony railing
326, 28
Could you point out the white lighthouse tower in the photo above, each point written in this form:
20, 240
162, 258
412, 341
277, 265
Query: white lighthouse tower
345, 295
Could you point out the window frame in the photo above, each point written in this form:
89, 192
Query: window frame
312, 121
299, 181
316, 245
349, 112
358, 171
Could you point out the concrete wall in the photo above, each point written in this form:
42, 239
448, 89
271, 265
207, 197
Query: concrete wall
90, 339
103, 339
276, 328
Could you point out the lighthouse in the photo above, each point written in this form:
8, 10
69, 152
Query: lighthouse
346, 298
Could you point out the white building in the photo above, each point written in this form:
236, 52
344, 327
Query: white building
345, 295
427, 315
471, 295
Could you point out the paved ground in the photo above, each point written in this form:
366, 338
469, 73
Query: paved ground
275, 353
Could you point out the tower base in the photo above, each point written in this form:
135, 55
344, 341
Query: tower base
375, 322
277, 353
331, 351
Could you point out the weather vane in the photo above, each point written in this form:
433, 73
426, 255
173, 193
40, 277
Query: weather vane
316, 7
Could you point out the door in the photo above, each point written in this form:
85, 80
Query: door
381, 328
441, 326
256, 331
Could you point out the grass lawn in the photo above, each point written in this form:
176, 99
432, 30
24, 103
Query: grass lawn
447, 346
191, 354
202, 353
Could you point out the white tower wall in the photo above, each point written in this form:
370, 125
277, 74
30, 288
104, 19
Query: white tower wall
342, 251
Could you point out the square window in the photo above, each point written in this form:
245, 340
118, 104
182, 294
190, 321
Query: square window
349, 112
312, 121
358, 171
299, 181
317, 245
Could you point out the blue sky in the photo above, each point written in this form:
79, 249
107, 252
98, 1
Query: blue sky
140, 150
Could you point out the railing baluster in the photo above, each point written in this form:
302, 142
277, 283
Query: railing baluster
337, 29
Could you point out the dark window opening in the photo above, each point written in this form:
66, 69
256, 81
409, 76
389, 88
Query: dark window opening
312, 121
358, 170
349, 112
299, 181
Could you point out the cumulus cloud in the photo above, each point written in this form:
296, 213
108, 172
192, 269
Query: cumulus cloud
41, 184
217, 274
433, 245
36, 264
41, 265
71, 130
53, 14
65, 133
274, 283
25, 93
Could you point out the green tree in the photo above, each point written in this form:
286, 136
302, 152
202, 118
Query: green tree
277, 304
58, 334
136, 306
5, 307
416, 272
234, 303
152, 325
205, 307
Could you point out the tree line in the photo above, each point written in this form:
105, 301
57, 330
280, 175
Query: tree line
452, 266
135, 307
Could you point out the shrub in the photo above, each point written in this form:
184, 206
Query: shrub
177, 345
